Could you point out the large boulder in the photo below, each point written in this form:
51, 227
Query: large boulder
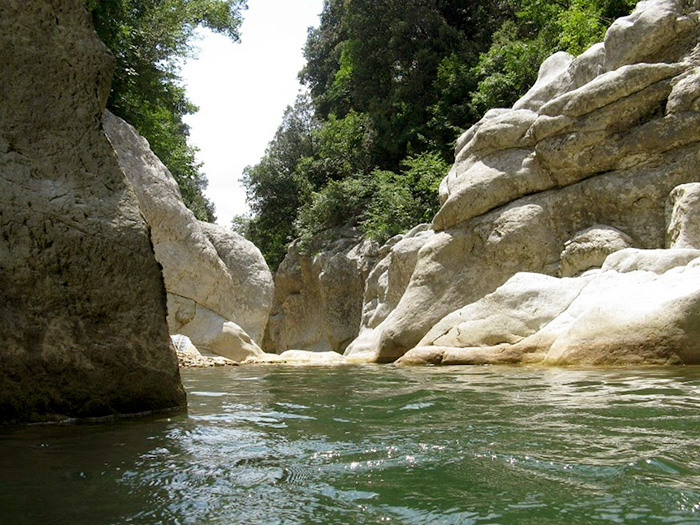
83, 310
318, 298
219, 287
642, 307
601, 139
589, 248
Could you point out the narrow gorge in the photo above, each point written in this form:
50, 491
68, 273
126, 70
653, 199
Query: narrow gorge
568, 234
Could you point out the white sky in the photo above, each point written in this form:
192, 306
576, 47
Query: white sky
242, 91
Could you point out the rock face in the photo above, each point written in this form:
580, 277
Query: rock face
190, 357
642, 307
219, 287
589, 249
683, 212
598, 142
318, 299
83, 310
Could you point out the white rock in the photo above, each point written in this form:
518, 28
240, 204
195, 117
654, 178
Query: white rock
621, 131
318, 299
590, 247
637, 37
220, 336
600, 318
205, 266
683, 216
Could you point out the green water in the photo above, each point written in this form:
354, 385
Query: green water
377, 445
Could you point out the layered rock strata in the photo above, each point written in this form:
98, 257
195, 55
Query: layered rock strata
83, 309
597, 144
219, 287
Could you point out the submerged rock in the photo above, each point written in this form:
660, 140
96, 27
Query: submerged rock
580, 167
83, 309
219, 287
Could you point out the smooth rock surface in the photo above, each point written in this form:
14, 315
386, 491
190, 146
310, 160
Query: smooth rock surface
190, 357
209, 271
590, 247
634, 311
318, 299
620, 131
83, 309
683, 216
389, 278
220, 336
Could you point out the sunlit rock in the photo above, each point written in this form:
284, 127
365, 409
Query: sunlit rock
219, 286
602, 139
641, 308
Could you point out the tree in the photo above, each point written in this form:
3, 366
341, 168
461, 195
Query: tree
275, 187
383, 59
392, 85
539, 29
150, 39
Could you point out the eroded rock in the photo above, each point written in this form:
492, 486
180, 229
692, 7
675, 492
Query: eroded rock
590, 247
318, 299
83, 312
600, 140
683, 216
219, 287
641, 308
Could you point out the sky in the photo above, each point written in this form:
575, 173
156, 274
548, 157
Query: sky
242, 91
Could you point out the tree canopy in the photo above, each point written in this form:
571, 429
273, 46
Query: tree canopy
391, 85
149, 39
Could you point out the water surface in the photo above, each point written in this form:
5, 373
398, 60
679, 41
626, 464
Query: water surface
377, 445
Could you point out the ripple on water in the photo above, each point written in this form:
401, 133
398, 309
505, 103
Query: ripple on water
378, 444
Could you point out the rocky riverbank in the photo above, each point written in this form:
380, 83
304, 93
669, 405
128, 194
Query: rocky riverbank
593, 161
568, 234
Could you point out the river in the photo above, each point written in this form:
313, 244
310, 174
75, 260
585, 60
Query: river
376, 444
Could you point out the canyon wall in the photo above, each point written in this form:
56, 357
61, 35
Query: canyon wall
580, 167
83, 310
589, 170
218, 285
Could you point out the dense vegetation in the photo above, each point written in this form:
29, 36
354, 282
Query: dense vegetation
391, 85
149, 39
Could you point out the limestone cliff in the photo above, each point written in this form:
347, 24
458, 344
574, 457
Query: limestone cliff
580, 167
83, 309
219, 286
641, 307
318, 299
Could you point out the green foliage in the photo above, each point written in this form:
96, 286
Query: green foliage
380, 204
280, 183
240, 224
507, 69
345, 145
405, 199
339, 205
392, 84
386, 60
149, 39
540, 28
